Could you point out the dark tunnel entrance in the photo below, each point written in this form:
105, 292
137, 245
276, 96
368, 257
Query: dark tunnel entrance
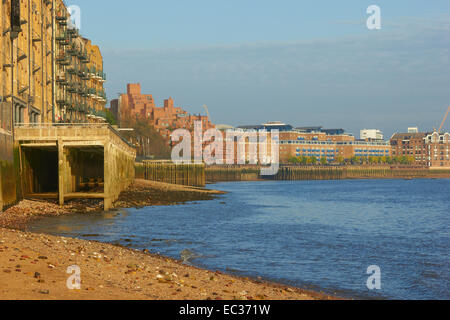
40, 170
86, 170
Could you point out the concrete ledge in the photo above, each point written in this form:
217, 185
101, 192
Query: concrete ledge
84, 152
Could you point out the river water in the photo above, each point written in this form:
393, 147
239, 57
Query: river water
318, 235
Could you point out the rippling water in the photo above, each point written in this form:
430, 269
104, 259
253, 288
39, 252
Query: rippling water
319, 235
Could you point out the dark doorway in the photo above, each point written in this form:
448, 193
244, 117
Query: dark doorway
40, 170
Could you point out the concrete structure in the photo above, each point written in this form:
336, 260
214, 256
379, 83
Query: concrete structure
8, 171
74, 161
413, 130
371, 134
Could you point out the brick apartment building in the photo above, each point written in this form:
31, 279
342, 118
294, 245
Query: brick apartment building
428, 149
49, 72
165, 119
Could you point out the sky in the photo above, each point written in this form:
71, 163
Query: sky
305, 63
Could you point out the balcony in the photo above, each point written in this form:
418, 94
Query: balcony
103, 77
62, 17
63, 59
97, 75
83, 55
63, 38
71, 69
73, 32
61, 100
72, 50
101, 94
61, 79
84, 73
91, 92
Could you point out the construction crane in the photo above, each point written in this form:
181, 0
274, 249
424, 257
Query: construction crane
443, 121
207, 112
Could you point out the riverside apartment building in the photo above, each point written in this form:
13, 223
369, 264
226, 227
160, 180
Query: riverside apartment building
429, 149
165, 119
48, 71
49, 74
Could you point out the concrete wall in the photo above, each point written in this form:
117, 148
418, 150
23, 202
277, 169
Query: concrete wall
119, 168
9, 188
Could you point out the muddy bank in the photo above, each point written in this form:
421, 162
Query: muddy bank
141, 194
145, 193
35, 266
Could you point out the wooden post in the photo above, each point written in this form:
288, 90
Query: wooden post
61, 171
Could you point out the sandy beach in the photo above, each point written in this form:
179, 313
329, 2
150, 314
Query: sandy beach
34, 266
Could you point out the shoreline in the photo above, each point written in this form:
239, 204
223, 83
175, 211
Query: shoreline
141, 194
33, 266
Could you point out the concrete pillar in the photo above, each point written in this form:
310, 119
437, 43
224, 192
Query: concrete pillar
108, 170
1, 193
61, 172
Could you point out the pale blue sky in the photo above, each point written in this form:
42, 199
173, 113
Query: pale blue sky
301, 62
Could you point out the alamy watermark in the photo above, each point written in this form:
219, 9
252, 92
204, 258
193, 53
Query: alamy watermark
74, 20
374, 20
374, 280
215, 147
74, 281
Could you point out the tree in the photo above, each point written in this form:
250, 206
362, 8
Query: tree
293, 160
150, 143
110, 117
323, 161
355, 160
340, 159
303, 160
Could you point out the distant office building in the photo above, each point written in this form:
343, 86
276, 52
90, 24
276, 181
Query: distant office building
320, 144
371, 134
276, 125
269, 126
320, 129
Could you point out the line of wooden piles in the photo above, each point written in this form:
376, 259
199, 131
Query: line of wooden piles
168, 172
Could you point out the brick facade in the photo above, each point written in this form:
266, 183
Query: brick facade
165, 119
428, 149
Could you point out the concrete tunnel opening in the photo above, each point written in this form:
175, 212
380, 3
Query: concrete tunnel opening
84, 170
40, 171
